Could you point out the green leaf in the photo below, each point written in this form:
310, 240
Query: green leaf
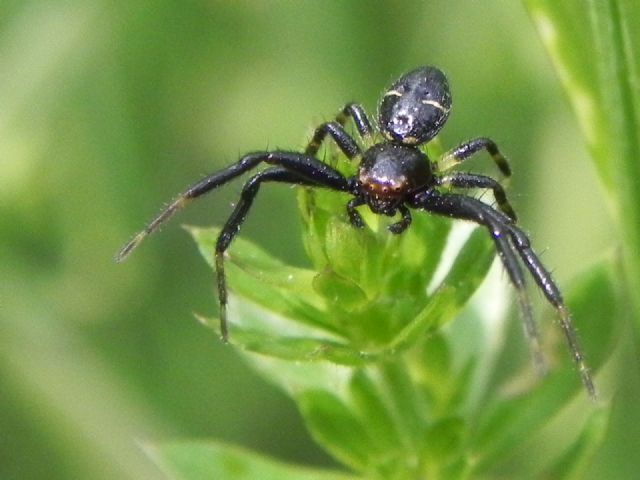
265, 280
469, 269
565, 444
575, 462
595, 47
375, 307
296, 377
370, 405
284, 347
195, 460
509, 424
341, 292
443, 443
597, 303
334, 425
406, 402
415, 255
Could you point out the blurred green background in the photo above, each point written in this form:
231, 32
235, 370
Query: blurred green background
108, 109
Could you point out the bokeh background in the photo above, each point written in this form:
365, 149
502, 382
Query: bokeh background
108, 109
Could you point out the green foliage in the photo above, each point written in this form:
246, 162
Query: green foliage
212, 461
109, 108
358, 342
406, 403
372, 322
595, 47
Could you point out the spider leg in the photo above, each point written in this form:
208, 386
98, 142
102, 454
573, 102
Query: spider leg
467, 208
338, 133
470, 180
464, 151
403, 224
459, 206
347, 144
304, 165
355, 111
354, 217
551, 291
235, 221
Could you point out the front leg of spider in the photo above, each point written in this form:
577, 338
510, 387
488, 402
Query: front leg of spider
499, 227
237, 218
289, 167
511, 242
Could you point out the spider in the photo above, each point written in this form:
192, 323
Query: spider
394, 176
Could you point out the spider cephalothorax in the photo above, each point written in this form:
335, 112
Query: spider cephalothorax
394, 176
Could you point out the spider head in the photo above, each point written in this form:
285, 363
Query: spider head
388, 173
415, 107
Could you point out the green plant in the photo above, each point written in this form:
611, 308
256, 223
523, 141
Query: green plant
594, 47
357, 340
384, 379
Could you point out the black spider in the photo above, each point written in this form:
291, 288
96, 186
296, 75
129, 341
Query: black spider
394, 176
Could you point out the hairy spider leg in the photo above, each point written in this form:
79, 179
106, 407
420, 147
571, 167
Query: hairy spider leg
467, 208
465, 150
338, 133
401, 225
471, 180
237, 218
551, 291
305, 165
359, 116
356, 219
354, 216
459, 206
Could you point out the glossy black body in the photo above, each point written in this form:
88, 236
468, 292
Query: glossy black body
394, 176
415, 107
389, 172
